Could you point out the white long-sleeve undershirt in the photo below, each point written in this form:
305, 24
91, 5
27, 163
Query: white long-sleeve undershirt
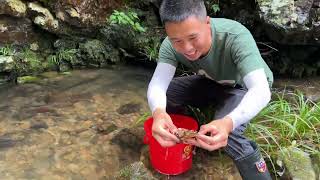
252, 103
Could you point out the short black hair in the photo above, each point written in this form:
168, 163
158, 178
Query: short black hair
180, 10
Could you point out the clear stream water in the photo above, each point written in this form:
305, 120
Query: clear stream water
82, 126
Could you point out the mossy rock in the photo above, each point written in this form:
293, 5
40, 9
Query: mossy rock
316, 164
298, 164
28, 79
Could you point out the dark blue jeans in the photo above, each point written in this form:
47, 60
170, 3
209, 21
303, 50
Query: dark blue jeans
199, 91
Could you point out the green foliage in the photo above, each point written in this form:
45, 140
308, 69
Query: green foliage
283, 122
151, 48
143, 118
203, 115
6, 50
215, 8
28, 79
127, 18
67, 55
27, 62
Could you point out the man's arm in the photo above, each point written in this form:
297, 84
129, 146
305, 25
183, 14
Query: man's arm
158, 86
254, 100
162, 127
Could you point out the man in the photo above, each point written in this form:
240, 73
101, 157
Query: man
233, 76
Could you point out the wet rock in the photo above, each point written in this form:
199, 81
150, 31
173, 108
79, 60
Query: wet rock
290, 21
316, 164
95, 52
309, 87
43, 17
129, 138
6, 143
10, 140
86, 13
65, 44
16, 30
130, 142
39, 125
129, 108
133, 171
6, 63
105, 128
15, 8
298, 164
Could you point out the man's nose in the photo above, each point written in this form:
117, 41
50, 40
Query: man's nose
188, 47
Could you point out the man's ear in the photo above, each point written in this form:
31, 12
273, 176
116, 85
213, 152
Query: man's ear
208, 20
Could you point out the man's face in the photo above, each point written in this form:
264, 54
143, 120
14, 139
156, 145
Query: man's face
191, 37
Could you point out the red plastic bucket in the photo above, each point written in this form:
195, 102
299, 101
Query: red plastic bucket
172, 160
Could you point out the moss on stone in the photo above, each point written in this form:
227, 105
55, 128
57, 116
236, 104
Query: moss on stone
27, 79
297, 163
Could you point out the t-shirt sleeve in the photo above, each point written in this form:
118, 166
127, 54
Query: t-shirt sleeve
167, 53
245, 53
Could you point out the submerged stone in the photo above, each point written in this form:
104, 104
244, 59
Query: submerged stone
135, 170
129, 108
28, 79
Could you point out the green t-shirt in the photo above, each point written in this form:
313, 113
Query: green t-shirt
232, 55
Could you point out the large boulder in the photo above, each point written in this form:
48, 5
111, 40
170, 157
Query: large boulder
42, 17
85, 13
295, 22
16, 30
13, 8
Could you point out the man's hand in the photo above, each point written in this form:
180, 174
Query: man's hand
163, 128
213, 135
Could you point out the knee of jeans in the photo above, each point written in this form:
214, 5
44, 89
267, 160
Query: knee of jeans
239, 146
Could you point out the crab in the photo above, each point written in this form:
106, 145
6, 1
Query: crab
184, 134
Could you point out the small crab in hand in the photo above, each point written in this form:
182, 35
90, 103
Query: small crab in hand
184, 134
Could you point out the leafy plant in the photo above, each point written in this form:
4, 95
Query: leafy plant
6, 50
63, 55
127, 18
215, 8
151, 48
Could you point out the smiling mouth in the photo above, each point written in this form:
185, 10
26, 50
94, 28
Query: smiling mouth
191, 54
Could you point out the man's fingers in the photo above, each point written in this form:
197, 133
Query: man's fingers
206, 139
204, 129
163, 142
165, 134
172, 128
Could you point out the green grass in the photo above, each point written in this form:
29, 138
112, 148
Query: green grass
286, 122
